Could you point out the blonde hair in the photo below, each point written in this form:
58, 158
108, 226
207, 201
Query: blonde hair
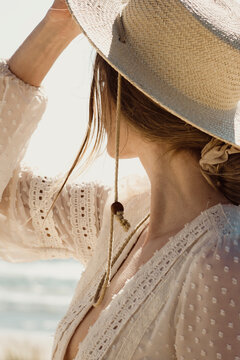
151, 121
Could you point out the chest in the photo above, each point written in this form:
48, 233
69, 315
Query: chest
127, 270
148, 300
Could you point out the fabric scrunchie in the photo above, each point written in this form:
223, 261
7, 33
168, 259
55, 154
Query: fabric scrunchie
214, 153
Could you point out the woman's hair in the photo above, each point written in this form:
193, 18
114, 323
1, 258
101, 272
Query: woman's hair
151, 121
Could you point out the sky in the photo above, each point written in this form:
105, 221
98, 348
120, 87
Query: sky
57, 140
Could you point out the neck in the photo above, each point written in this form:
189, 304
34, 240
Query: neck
179, 192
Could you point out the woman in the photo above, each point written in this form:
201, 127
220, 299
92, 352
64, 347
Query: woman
168, 287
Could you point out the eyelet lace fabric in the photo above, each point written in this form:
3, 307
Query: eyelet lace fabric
85, 218
40, 198
63, 233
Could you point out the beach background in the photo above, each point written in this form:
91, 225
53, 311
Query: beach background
34, 296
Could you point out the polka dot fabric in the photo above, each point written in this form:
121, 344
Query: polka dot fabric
209, 324
21, 108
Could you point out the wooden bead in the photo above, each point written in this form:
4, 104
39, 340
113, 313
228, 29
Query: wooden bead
117, 208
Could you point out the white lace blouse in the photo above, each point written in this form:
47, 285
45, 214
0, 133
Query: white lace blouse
182, 304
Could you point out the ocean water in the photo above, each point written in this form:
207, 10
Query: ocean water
35, 296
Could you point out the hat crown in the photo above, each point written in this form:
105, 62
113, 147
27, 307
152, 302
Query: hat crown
220, 16
193, 45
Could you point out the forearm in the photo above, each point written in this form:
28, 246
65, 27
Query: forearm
34, 58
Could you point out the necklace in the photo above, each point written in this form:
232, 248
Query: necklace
117, 211
98, 294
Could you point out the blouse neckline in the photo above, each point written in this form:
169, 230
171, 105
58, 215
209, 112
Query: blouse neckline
213, 217
141, 284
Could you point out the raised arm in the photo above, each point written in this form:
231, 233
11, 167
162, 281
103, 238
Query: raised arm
34, 58
21, 107
72, 226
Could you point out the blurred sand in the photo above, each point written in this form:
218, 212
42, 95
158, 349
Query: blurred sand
25, 346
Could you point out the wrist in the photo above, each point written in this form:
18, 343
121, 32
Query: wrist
63, 23
34, 58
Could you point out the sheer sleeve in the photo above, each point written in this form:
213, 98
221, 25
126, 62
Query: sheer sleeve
21, 109
71, 228
209, 320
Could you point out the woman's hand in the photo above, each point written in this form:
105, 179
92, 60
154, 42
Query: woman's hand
60, 5
59, 12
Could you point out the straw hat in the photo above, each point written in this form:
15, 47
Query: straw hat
183, 54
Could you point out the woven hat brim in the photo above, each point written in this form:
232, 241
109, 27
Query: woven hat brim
98, 23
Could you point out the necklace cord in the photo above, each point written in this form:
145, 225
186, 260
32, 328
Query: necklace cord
116, 211
117, 135
104, 283
100, 286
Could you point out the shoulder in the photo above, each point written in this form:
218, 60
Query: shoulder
212, 278
209, 304
219, 255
